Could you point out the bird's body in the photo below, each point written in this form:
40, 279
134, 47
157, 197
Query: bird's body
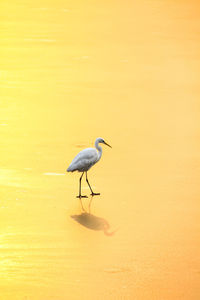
85, 159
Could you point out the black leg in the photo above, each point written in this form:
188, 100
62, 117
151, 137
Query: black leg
80, 196
92, 193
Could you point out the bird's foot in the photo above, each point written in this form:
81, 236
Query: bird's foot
95, 194
81, 196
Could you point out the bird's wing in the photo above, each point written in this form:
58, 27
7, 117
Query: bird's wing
84, 159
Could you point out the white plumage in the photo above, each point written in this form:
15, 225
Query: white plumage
85, 159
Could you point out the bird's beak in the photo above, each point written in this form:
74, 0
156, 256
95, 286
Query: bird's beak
107, 145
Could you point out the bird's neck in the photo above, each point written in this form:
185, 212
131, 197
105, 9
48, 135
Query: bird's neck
99, 149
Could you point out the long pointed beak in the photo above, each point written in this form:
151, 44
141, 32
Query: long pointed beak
107, 144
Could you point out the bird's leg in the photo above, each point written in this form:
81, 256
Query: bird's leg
92, 193
80, 196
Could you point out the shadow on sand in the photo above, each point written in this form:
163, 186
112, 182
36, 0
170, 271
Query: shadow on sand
91, 221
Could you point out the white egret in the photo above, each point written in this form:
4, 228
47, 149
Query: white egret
84, 160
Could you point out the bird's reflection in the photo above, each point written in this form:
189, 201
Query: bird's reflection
91, 221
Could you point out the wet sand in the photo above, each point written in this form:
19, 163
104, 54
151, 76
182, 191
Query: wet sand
71, 72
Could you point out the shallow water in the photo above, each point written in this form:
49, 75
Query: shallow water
73, 71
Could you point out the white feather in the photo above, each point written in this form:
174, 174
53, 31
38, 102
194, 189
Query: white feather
84, 160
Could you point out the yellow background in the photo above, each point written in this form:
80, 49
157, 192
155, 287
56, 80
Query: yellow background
127, 71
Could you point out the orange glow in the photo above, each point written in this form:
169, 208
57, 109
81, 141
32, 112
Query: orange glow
126, 71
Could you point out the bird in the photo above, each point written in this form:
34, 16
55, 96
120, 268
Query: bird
84, 160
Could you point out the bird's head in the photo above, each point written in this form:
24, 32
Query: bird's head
100, 140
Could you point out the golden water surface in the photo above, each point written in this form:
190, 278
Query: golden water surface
127, 71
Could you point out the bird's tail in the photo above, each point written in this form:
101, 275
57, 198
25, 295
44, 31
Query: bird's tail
70, 169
